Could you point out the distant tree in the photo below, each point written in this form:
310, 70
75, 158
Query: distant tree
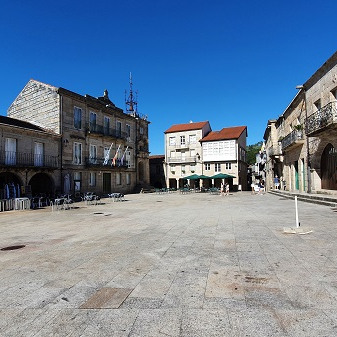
252, 151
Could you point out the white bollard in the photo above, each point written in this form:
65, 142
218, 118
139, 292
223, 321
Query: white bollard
296, 210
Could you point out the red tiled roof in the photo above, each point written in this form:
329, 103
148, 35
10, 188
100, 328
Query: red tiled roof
186, 127
226, 133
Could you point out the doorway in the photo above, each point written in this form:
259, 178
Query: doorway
329, 168
106, 183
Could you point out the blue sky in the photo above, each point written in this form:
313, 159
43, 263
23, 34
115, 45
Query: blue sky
228, 62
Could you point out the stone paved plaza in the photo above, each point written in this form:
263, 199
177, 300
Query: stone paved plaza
170, 265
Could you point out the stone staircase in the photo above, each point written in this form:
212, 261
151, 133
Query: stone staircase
320, 199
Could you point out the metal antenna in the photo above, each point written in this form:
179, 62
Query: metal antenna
131, 102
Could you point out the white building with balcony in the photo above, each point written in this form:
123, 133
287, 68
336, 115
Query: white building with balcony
183, 151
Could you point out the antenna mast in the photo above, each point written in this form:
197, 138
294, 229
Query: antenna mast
131, 102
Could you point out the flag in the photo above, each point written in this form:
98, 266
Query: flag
106, 159
115, 156
124, 155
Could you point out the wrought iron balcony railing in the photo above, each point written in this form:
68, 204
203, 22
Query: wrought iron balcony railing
182, 160
101, 162
294, 137
322, 118
19, 159
106, 131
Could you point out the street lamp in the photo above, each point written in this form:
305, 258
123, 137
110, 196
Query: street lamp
301, 87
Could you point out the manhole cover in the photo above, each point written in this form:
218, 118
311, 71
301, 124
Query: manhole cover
13, 247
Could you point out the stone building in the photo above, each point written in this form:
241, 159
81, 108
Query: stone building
29, 159
301, 144
193, 148
102, 149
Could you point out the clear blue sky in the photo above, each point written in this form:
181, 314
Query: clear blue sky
228, 62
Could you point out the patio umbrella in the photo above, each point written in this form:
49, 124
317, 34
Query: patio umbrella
192, 177
222, 176
204, 177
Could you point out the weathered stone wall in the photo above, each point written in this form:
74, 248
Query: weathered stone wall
37, 103
25, 142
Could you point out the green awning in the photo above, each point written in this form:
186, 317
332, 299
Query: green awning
204, 177
192, 177
222, 176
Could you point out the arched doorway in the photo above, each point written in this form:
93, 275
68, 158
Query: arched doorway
10, 185
140, 171
329, 168
41, 183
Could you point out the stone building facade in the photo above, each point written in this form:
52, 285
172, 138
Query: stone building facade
102, 149
29, 159
305, 136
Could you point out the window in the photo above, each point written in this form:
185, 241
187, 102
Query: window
128, 179
172, 154
10, 151
183, 169
217, 167
192, 168
92, 121
182, 140
192, 153
118, 129
77, 181
92, 154
92, 179
38, 154
128, 131
317, 104
141, 130
172, 168
106, 125
77, 118
118, 178
228, 166
192, 139
172, 140
128, 158
207, 166
77, 157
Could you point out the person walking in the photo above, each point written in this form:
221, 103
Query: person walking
276, 183
227, 189
222, 189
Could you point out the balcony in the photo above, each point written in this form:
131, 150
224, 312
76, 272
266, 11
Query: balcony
185, 145
101, 162
323, 119
182, 160
294, 139
105, 131
275, 150
28, 160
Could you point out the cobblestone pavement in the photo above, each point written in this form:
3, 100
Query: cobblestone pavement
170, 265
